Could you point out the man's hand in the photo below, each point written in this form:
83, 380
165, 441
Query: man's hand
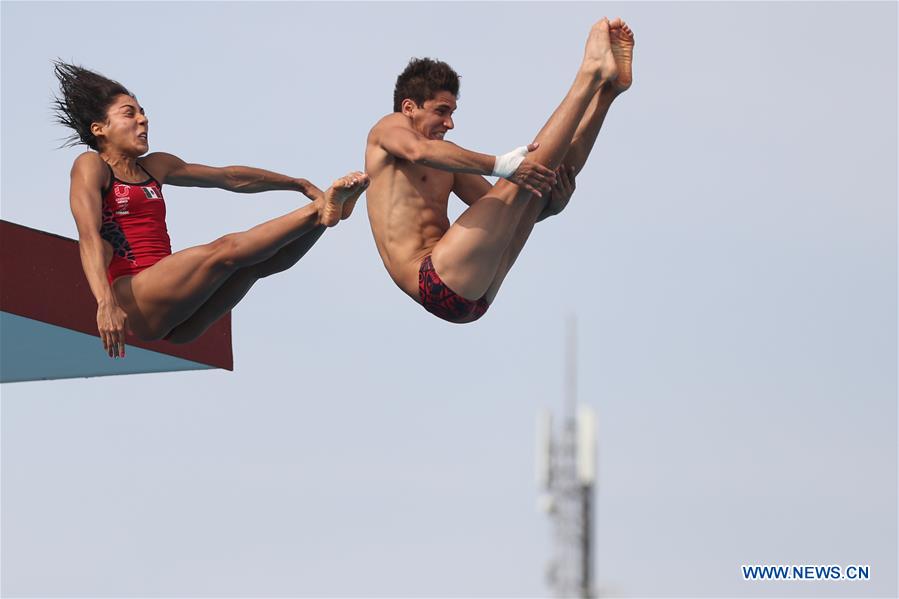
533, 176
111, 324
561, 193
562, 190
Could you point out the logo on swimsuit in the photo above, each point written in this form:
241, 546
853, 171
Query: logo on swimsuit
150, 192
122, 191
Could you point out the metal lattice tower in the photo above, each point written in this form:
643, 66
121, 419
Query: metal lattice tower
566, 471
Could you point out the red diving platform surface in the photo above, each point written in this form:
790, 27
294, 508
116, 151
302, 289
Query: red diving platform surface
48, 319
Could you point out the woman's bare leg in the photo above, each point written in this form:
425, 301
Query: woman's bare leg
172, 290
236, 287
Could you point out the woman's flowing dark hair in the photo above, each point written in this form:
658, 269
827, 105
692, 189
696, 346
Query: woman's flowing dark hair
85, 98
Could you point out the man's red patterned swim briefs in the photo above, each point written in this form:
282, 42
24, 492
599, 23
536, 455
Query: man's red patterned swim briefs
443, 302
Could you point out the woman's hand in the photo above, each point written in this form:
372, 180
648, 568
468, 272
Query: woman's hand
111, 324
311, 191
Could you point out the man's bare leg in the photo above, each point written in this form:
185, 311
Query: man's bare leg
468, 256
622, 41
534, 208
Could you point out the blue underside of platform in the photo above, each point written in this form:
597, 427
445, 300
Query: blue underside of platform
31, 350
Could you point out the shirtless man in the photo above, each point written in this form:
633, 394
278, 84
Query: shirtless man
413, 170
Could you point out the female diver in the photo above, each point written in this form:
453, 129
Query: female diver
117, 201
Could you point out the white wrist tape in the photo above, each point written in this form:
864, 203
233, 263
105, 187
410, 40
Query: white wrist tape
506, 164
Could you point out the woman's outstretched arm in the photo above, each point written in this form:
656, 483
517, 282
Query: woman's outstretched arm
242, 179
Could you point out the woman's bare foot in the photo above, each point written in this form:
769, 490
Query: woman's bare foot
622, 41
339, 199
348, 206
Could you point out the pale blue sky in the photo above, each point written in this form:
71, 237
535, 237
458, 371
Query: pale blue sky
730, 254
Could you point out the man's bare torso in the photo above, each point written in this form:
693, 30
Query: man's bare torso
407, 206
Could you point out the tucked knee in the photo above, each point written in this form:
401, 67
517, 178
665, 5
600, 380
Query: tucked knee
223, 252
145, 331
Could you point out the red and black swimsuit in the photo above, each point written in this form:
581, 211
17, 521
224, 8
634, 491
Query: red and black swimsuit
134, 224
443, 302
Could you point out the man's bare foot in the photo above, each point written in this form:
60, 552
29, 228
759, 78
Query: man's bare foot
598, 58
343, 191
622, 41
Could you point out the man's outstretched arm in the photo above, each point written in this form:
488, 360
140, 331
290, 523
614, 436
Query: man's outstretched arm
470, 188
410, 145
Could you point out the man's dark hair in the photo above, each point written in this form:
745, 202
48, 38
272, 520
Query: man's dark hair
85, 98
422, 79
